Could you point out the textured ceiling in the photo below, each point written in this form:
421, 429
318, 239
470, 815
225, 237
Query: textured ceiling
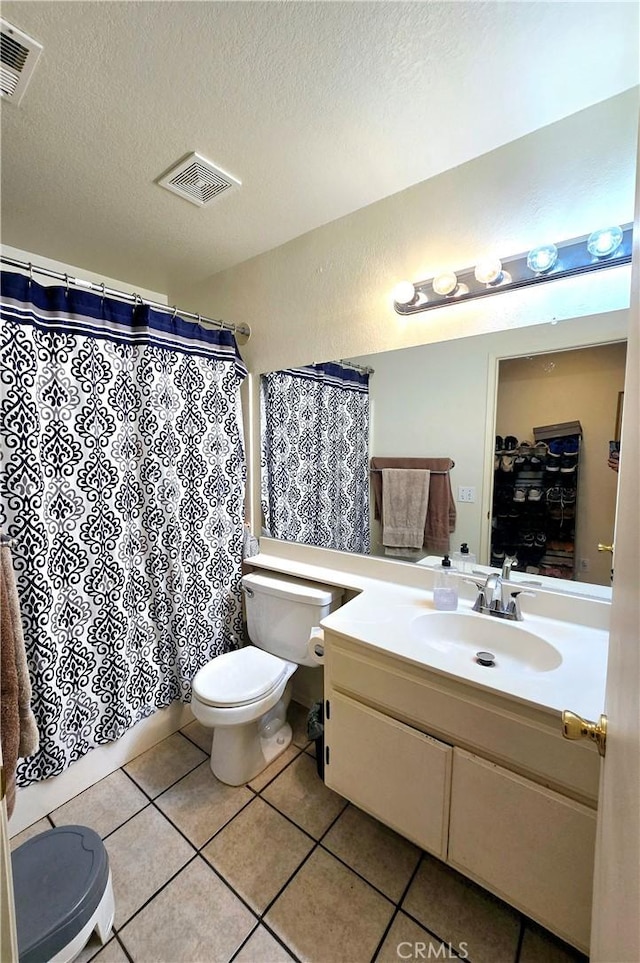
318, 108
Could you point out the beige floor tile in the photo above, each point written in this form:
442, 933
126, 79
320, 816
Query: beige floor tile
327, 913
112, 953
104, 806
283, 760
195, 919
383, 857
157, 768
540, 946
202, 736
33, 830
143, 855
94, 950
297, 719
459, 912
408, 941
262, 947
301, 795
200, 805
257, 853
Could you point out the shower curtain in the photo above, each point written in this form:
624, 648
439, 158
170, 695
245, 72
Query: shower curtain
122, 487
315, 456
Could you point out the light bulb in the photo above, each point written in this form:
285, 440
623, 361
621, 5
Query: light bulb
489, 271
404, 293
543, 258
605, 242
445, 283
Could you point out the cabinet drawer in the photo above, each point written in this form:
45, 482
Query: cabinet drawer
527, 844
515, 736
395, 773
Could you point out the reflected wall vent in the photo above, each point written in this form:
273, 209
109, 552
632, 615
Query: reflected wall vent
19, 56
198, 180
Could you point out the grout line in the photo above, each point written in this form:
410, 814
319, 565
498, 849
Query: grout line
288, 881
398, 905
171, 785
279, 773
123, 948
153, 896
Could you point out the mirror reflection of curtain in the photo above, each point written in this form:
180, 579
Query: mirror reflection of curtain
315, 456
121, 485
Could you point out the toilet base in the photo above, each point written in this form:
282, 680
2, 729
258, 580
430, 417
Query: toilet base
239, 753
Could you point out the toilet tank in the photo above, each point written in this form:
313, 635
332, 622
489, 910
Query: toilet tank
282, 610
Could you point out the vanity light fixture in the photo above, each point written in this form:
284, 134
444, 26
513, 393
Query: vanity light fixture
605, 242
542, 259
404, 293
489, 271
445, 283
605, 248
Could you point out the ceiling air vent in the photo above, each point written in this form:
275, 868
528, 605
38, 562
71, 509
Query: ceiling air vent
19, 56
198, 180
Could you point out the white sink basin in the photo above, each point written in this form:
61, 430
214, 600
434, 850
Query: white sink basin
486, 641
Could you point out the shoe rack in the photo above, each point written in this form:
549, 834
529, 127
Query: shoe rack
535, 500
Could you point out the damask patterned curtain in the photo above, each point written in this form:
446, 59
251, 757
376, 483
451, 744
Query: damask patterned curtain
315, 456
122, 486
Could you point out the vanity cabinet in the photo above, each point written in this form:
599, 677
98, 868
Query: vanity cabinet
413, 796
485, 784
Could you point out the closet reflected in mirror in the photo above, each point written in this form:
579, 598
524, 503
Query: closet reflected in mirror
554, 493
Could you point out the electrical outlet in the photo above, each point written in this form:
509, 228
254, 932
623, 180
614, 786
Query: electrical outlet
466, 494
584, 565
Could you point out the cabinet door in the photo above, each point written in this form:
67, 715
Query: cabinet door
529, 845
393, 772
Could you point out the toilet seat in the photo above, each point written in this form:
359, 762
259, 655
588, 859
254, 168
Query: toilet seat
239, 678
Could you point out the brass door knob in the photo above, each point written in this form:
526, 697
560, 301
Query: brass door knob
575, 727
604, 548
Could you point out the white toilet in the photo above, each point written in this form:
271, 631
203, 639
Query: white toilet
244, 695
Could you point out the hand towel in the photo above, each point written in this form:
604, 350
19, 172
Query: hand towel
441, 510
405, 497
18, 728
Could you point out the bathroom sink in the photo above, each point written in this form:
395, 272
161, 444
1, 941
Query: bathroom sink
486, 641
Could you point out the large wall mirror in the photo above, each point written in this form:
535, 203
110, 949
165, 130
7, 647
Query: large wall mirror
450, 400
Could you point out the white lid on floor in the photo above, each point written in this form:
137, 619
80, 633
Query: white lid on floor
238, 678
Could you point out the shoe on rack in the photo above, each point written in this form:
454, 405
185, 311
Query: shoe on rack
556, 448
535, 494
538, 461
520, 462
571, 445
519, 494
510, 443
568, 465
552, 466
540, 539
506, 462
554, 495
541, 449
499, 444
526, 448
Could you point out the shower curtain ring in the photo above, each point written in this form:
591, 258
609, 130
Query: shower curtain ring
66, 285
30, 273
175, 313
102, 285
199, 319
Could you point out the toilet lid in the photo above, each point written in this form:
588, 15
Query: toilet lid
238, 678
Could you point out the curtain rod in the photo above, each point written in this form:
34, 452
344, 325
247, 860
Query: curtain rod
30, 268
358, 367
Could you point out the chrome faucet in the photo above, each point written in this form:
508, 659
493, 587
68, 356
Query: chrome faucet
498, 596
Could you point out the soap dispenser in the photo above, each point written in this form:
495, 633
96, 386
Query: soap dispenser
464, 560
445, 588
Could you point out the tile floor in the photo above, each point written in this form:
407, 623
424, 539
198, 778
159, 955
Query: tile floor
282, 869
